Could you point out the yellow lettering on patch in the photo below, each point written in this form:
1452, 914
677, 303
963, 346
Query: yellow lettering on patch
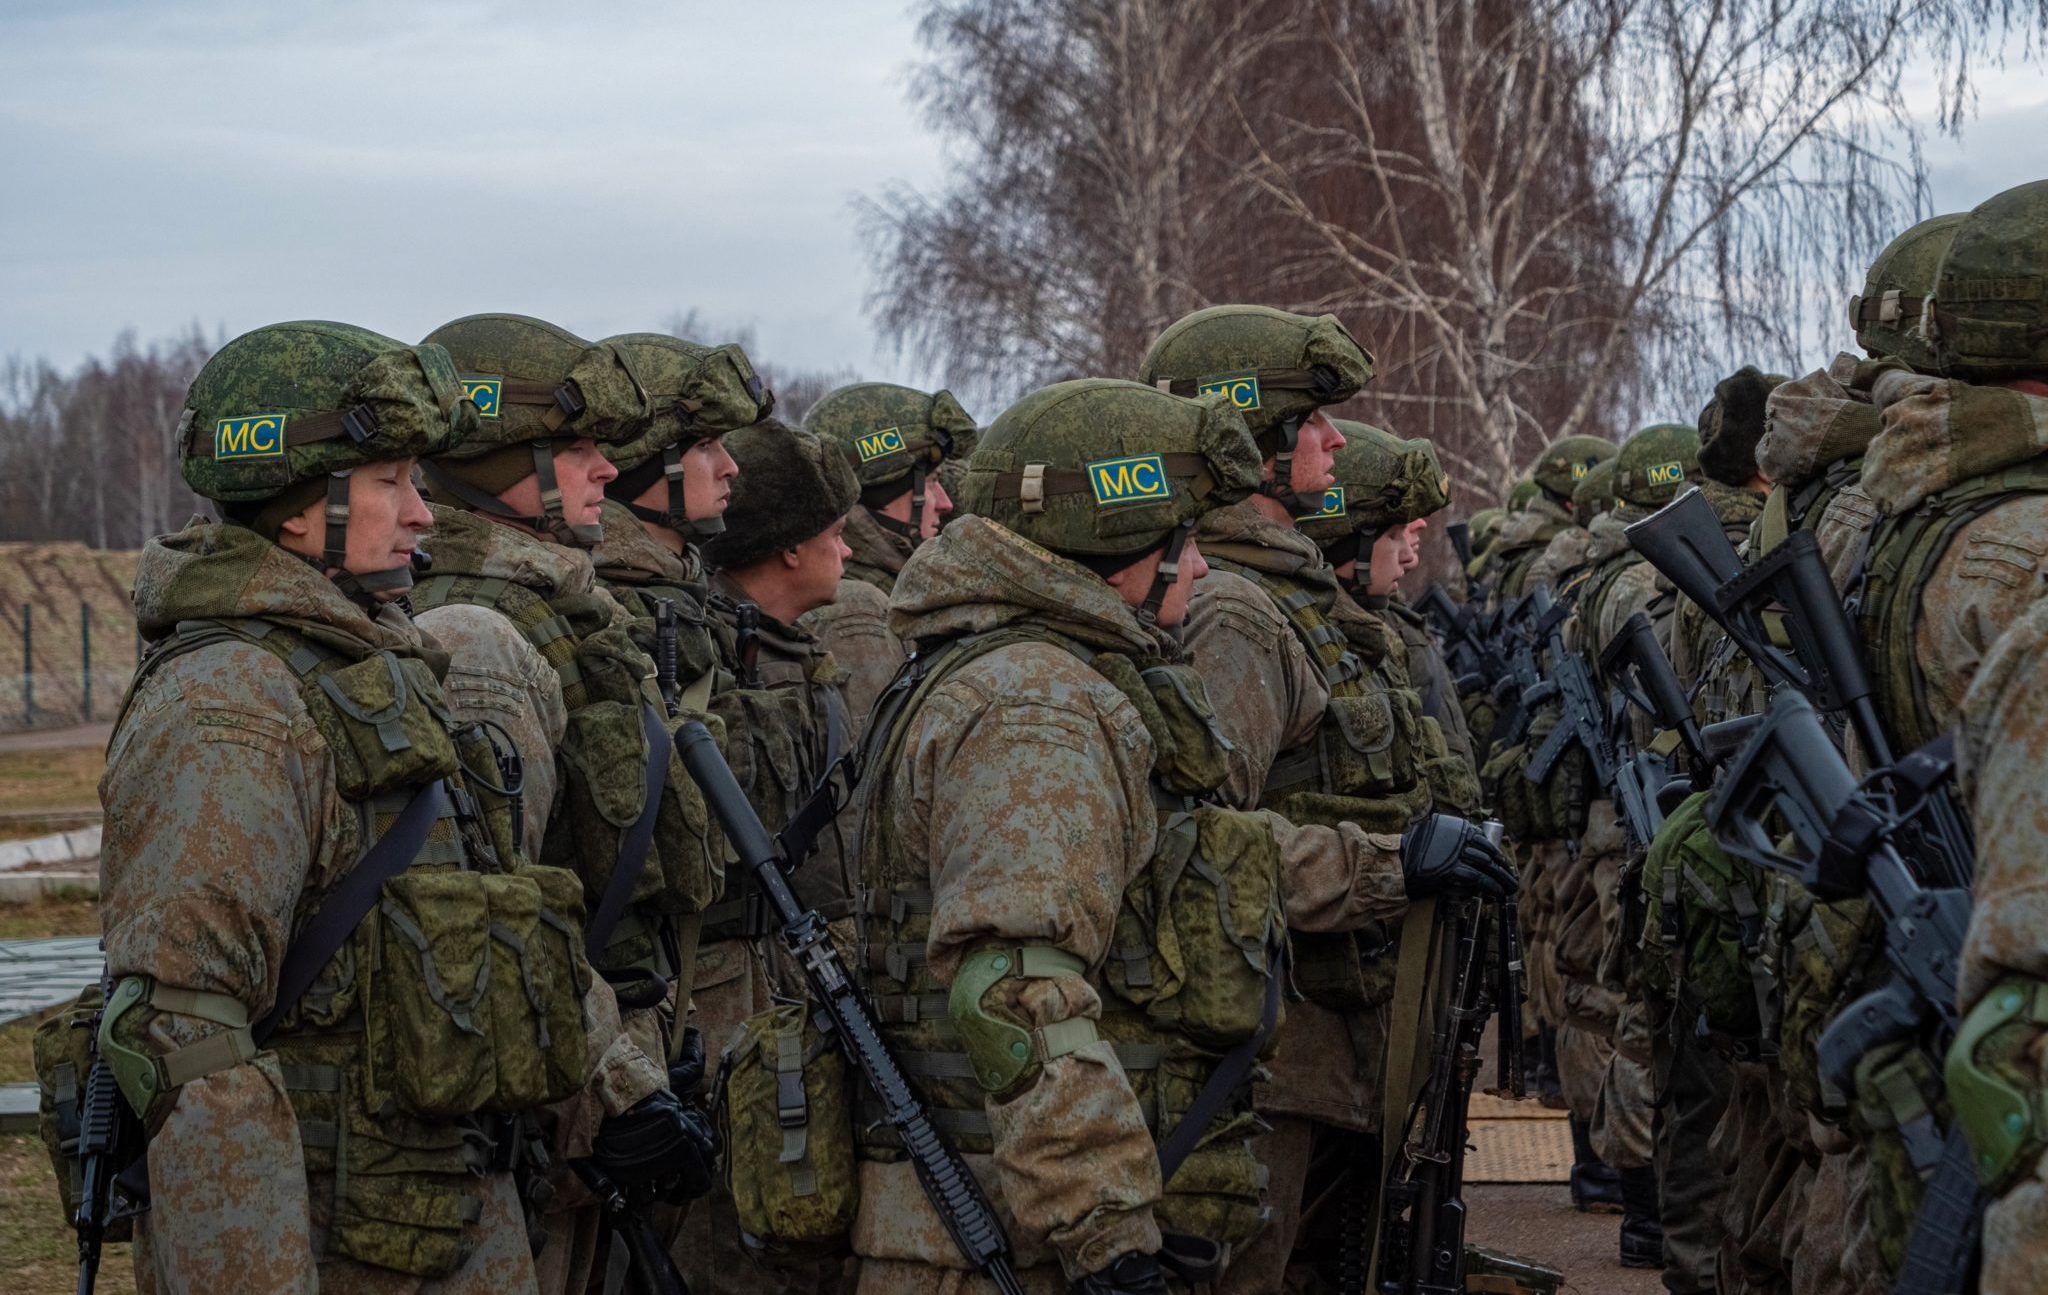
1242, 388
876, 444
252, 436
1579, 471
1665, 474
1333, 503
487, 394
1129, 481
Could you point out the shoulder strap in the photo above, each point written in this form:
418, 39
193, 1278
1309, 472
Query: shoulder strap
633, 847
328, 929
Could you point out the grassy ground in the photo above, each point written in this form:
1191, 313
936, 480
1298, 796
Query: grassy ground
50, 917
62, 779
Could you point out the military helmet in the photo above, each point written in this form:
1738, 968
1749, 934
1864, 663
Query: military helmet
1594, 494
791, 486
1524, 492
698, 392
1886, 314
1483, 526
1656, 463
534, 384
1382, 481
280, 416
1099, 468
1276, 367
894, 437
1990, 307
1565, 462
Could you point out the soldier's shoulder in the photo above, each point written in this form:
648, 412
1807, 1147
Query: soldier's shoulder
229, 690
479, 640
1227, 598
1032, 691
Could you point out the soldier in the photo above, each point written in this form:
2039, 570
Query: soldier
1046, 747
1525, 537
542, 652
1315, 742
283, 750
897, 439
791, 739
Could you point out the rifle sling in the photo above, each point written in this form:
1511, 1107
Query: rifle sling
1229, 1073
351, 900
1405, 1053
633, 849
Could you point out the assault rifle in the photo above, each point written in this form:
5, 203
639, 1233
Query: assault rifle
638, 1261
1422, 1214
1789, 589
843, 1014
1791, 781
1521, 670
1638, 672
110, 1139
1460, 536
1570, 681
1467, 652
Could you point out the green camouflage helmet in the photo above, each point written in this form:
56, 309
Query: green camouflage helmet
1990, 306
1482, 527
894, 437
1886, 314
1524, 492
1099, 468
1382, 481
534, 384
1566, 461
699, 392
1656, 464
280, 416
1594, 494
1276, 367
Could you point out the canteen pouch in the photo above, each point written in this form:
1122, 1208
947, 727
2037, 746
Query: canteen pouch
786, 1117
62, 1050
473, 992
1201, 926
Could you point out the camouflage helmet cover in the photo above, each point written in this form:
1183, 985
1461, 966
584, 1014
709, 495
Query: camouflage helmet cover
1482, 526
1524, 492
697, 392
1595, 492
1275, 366
1382, 481
1990, 308
1565, 462
1656, 464
534, 381
1099, 467
1886, 314
887, 431
298, 401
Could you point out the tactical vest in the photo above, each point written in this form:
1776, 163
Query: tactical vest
692, 656
606, 777
1363, 767
455, 1005
1515, 562
1198, 935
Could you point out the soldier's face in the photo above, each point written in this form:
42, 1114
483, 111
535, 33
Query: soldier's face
708, 470
816, 565
937, 504
1383, 573
1314, 454
581, 470
1134, 583
386, 518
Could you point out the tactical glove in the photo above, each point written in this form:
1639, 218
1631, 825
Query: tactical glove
663, 1141
686, 1072
1131, 1274
1441, 853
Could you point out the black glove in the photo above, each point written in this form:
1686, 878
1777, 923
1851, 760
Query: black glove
662, 1141
1443, 853
686, 1073
1131, 1274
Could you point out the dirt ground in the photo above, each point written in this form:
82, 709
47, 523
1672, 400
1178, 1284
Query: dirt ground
50, 778
1538, 1222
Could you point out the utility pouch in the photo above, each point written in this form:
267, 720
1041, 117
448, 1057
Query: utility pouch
1201, 927
786, 1116
63, 1052
385, 723
1370, 742
473, 992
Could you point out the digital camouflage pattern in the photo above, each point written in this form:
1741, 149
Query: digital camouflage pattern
1988, 319
1657, 464
638, 570
1522, 539
1886, 314
696, 392
885, 431
267, 410
534, 358
225, 826
1384, 481
1276, 367
1565, 462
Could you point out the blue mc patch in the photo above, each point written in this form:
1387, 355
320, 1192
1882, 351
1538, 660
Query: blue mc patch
252, 436
1134, 480
1664, 474
1333, 503
1242, 388
487, 394
876, 444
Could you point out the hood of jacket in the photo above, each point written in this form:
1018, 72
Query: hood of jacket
466, 544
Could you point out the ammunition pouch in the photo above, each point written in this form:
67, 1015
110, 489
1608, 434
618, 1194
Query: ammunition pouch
785, 1114
63, 1050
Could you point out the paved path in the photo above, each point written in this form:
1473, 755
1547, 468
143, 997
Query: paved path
35, 974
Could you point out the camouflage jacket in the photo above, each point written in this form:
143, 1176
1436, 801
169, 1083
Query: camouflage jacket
639, 569
1270, 699
1522, 540
1423, 658
878, 553
854, 628
224, 827
1024, 786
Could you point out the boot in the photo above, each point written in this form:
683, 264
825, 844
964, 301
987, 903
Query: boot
1642, 1234
1595, 1183
1543, 1078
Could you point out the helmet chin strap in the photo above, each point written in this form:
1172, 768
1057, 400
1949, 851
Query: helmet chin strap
913, 530
550, 521
362, 590
1164, 578
1281, 487
676, 516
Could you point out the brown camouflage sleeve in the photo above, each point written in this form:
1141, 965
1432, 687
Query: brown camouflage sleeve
219, 810
1038, 816
855, 630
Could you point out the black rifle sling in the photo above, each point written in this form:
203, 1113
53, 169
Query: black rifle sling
833, 788
351, 901
1223, 1081
632, 849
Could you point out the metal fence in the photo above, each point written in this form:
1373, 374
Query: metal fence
60, 668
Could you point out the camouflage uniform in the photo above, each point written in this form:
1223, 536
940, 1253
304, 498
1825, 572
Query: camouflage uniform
232, 814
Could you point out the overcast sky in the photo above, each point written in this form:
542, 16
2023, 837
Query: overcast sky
396, 163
